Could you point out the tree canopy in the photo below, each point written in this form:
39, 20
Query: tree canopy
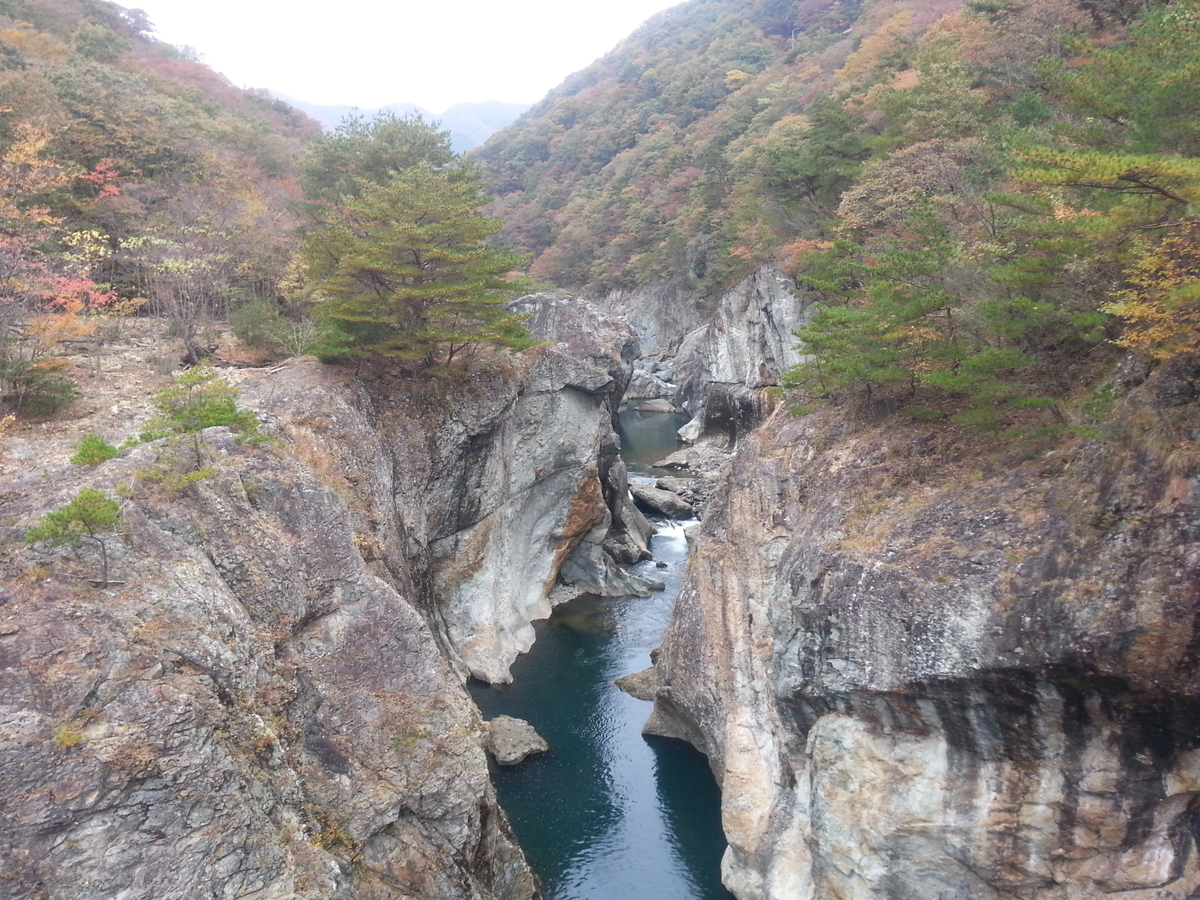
982, 199
399, 264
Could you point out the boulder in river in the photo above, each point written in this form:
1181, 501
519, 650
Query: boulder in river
664, 502
674, 485
511, 741
701, 461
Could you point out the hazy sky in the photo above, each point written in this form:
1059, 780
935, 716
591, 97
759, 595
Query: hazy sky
372, 52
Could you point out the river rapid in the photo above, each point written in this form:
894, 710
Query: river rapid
609, 814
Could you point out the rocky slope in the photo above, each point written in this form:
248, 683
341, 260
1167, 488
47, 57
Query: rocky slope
271, 704
922, 666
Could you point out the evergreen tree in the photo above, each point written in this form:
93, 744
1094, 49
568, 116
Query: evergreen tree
363, 151
400, 266
90, 515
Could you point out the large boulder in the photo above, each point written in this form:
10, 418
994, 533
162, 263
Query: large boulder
660, 502
511, 741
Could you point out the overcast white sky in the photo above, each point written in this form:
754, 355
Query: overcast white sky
369, 53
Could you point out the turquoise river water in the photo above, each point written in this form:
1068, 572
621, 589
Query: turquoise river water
610, 814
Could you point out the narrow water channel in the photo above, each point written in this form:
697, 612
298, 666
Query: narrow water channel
610, 814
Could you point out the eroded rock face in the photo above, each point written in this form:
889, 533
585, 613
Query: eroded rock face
254, 713
712, 357
491, 489
924, 669
722, 367
660, 315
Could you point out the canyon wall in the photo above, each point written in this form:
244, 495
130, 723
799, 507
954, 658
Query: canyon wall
924, 664
270, 704
482, 487
251, 712
719, 353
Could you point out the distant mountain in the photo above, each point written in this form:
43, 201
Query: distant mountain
469, 124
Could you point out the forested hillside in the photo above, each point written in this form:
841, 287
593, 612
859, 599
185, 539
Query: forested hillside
130, 176
135, 181
985, 197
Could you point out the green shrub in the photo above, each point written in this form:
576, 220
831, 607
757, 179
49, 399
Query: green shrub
93, 450
263, 325
255, 323
35, 386
201, 399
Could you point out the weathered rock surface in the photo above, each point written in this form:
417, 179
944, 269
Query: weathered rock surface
674, 485
512, 741
255, 714
662, 502
660, 315
705, 461
643, 685
922, 668
722, 367
646, 385
713, 357
621, 535
491, 490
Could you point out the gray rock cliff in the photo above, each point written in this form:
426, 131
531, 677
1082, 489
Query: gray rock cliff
272, 704
254, 713
722, 367
925, 667
719, 352
491, 490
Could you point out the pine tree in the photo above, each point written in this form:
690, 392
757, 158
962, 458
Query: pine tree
403, 268
90, 515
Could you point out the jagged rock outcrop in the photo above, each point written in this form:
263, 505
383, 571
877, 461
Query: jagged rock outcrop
922, 666
660, 315
719, 354
253, 714
722, 367
642, 685
622, 536
492, 489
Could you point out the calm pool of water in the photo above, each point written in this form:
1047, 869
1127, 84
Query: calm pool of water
647, 437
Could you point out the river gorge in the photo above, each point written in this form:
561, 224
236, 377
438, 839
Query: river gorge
917, 665
610, 814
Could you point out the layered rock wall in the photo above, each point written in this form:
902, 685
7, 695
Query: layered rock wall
923, 666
